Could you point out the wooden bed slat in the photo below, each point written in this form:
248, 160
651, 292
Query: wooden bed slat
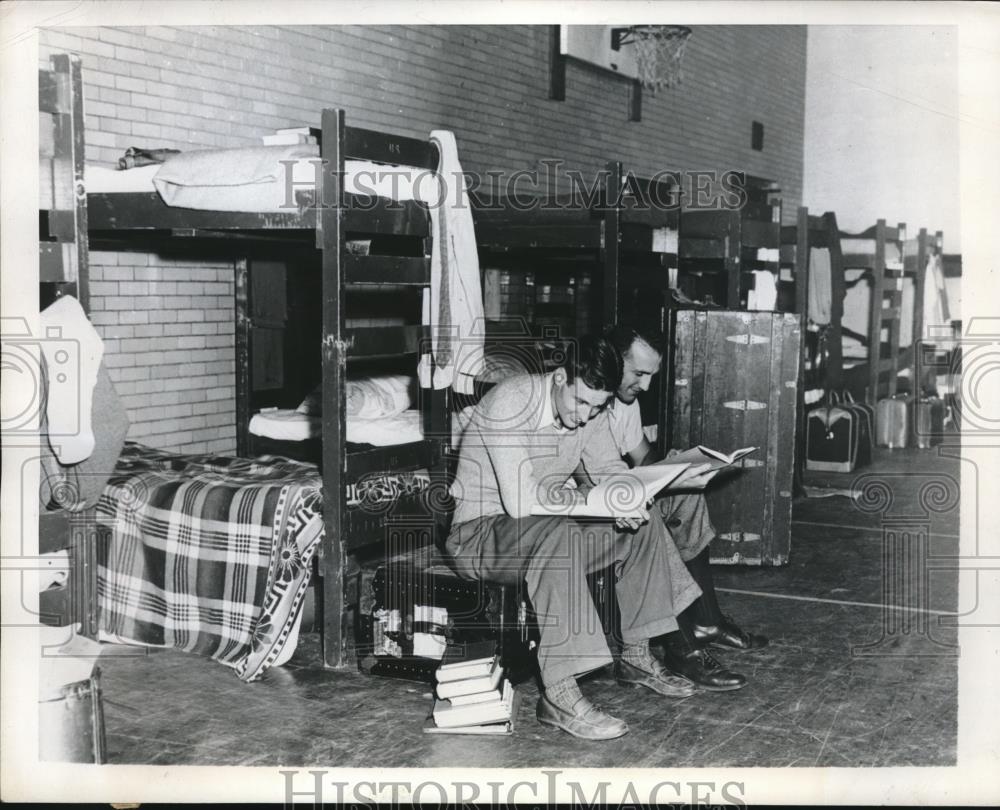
759, 234
383, 270
382, 147
384, 341
583, 236
392, 459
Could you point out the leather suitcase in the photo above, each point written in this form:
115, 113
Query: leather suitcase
928, 421
892, 421
866, 428
840, 435
733, 383
831, 439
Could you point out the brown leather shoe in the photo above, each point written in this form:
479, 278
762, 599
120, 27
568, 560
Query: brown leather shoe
585, 720
656, 678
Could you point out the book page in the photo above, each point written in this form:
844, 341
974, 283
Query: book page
621, 495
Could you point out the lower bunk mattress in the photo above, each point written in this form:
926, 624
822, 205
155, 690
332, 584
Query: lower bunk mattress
208, 554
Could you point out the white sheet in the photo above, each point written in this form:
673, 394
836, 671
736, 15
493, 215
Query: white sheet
264, 180
289, 425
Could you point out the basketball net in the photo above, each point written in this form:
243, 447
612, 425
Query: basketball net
659, 51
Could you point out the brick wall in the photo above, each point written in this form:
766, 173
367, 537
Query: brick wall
218, 87
167, 327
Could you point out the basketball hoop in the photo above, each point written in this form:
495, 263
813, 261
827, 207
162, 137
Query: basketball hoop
659, 50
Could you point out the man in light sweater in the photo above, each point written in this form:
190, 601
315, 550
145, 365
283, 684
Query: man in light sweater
523, 443
618, 435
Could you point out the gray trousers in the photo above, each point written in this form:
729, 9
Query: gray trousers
553, 555
686, 518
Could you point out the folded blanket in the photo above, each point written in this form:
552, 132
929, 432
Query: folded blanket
208, 554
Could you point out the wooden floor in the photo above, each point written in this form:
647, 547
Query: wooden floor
846, 680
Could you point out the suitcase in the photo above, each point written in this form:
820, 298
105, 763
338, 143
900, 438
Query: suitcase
419, 606
866, 428
839, 435
928, 421
734, 383
831, 439
892, 421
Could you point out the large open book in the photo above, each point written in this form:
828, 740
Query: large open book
699, 455
623, 494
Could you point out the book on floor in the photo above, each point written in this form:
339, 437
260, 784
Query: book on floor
430, 727
466, 660
448, 715
699, 455
620, 495
473, 684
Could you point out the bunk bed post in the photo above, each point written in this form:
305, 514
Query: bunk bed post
835, 352
919, 280
612, 243
734, 242
242, 337
875, 316
329, 238
68, 219
802, 249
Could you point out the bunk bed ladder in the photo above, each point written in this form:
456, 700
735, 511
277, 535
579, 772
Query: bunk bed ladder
887, 288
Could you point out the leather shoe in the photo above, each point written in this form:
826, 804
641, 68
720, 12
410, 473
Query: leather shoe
726, 633
656, 678
585, 720
699, 667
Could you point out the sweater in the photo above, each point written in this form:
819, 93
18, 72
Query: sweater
513, 450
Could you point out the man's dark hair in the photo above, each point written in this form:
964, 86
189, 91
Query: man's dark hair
622, 337
595, 361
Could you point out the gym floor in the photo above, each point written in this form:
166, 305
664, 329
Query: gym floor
861, 669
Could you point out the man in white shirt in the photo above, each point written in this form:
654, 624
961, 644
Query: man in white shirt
616, 436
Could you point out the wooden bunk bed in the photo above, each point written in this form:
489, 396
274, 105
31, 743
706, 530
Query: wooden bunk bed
883, 258
720, 249
324, 220
618, 243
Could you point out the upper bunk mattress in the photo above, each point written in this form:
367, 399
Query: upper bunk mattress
257, 179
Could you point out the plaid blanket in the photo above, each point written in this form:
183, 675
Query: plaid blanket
208, 554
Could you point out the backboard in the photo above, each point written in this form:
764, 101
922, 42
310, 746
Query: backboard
594, 44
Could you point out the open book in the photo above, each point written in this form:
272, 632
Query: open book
623, 494
699, 455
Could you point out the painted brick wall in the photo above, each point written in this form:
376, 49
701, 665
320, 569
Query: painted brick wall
167, 327
217, 87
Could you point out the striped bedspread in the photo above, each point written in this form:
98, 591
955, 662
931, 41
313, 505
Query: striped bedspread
208, 554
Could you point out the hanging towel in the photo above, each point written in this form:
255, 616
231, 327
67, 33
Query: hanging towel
764, 294
820, 286
935, 301
454, 307
72, 351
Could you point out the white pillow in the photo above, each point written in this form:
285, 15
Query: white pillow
368, 397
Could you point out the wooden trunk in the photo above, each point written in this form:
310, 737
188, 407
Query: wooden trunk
734, 383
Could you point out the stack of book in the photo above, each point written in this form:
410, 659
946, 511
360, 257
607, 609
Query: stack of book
473, 697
